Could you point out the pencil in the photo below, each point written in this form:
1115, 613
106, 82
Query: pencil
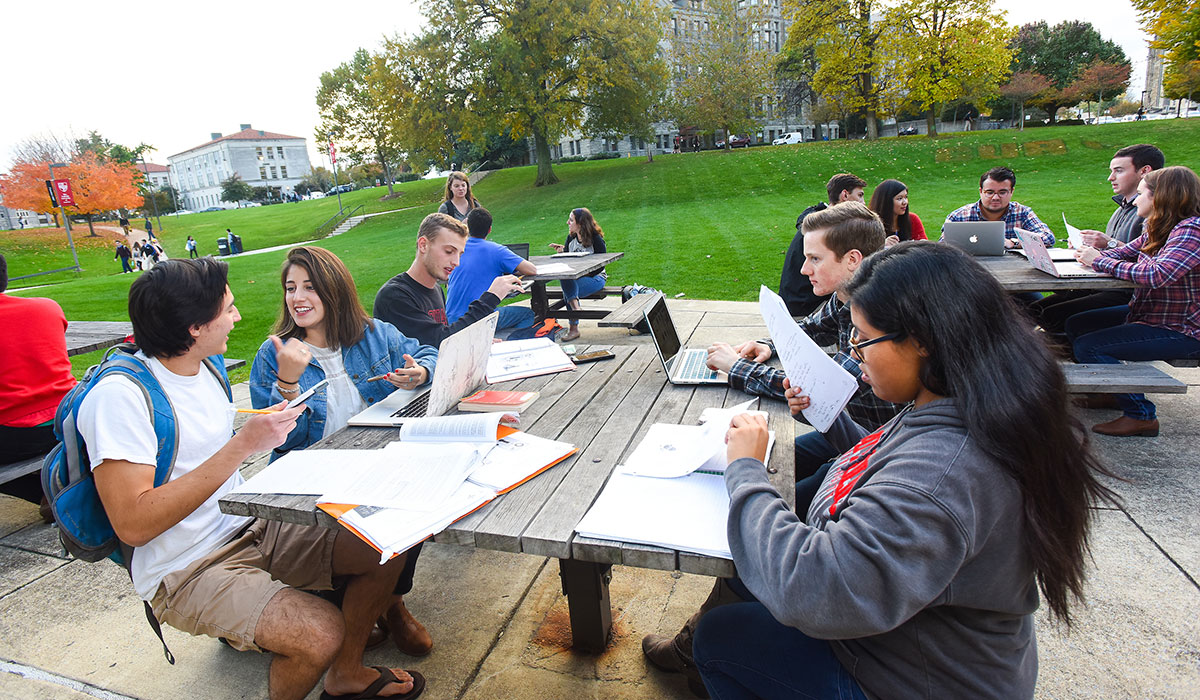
375, 379
254, 410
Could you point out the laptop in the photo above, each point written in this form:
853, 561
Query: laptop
1039, 257
521, 249
461, 369
975, 237
1056, 254
683, 365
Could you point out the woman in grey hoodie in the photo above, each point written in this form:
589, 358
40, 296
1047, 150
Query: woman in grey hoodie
915, 571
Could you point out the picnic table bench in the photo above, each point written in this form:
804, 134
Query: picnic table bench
630, 313
1127, 378
86, 336
604, 409
577, 267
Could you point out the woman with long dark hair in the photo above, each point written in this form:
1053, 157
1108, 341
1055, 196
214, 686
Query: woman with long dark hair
458, 201
323, 332
584, 235
1162, 320
915, 570
890, 202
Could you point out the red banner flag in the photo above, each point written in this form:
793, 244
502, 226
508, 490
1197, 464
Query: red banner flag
65, 197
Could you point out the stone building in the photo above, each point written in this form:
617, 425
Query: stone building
158, 175
260, 158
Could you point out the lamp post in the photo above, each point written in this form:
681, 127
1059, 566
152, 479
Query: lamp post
171, 184
153, 198
66, 219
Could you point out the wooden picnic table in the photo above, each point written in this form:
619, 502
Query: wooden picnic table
1016, 274
604, 409
86, 336
580, 266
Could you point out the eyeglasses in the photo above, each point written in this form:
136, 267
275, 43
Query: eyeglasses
856, 346
996, 193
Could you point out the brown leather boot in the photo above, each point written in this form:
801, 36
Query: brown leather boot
410, 636
674, 654
1128, 427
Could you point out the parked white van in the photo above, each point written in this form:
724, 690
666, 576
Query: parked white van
789, 137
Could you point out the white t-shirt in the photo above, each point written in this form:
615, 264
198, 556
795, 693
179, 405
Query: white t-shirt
116, 424
342, 400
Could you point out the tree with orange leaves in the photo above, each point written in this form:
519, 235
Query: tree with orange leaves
98, 185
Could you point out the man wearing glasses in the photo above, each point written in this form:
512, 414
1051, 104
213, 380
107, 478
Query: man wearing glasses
995, 203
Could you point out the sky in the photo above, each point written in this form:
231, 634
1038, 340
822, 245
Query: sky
170, 74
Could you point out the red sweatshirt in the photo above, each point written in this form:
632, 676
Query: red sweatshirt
36, 371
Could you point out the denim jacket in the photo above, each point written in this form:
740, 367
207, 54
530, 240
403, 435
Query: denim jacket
381, 350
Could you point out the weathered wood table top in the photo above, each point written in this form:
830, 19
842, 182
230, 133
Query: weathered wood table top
604, 409
1016, 274
86, 336
581, 266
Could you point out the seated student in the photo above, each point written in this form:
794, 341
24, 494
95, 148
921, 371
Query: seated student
458, 200
482, 262
1126, 170
324, 333
36, 377
996, 188
890, 202
1162, 320
584, 235
915, 570
412, 301
203, 571
794, 286
836, 241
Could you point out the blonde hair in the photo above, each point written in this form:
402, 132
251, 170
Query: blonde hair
433, 224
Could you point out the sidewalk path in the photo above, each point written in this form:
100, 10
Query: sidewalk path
353, 221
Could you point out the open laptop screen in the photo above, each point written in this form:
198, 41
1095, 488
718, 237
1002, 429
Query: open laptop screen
662, 328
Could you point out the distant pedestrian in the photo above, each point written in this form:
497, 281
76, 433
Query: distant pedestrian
191, 248
123, 255
137, 254
149, 229
21, 221
124, 221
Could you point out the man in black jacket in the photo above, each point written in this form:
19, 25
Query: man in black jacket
794, 287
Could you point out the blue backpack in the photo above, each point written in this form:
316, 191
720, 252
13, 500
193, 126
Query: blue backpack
83, 525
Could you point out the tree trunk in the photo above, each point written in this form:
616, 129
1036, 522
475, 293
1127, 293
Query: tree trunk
1021, 126
545, 175
91, 229
872, 126
931, 122
387, 173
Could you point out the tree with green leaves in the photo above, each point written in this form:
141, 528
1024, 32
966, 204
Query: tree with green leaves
1182, 80
353, 114
845, 36
1175, 27
542, 68
946, 50
235, 189
1023, 86
1061, 53
1101, 77
721, 70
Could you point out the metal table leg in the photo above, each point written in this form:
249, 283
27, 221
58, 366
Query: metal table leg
585, 584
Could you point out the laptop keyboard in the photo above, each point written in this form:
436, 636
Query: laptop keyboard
695, 366
416, 408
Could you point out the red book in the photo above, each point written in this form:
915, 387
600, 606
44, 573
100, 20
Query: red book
494, 400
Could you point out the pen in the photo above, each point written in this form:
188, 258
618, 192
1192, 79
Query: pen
253, 410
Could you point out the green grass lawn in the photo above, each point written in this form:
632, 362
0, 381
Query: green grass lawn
712, 225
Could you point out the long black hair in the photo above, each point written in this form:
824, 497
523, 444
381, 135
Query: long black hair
883, 203
1009, 387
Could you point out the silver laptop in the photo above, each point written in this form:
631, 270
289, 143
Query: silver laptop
461, 369
1056, 254
975, 237
1039, 257
683, 365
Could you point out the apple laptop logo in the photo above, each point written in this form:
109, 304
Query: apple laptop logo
974, 239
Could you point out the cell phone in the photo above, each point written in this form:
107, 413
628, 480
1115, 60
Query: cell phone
593, 356
307, 394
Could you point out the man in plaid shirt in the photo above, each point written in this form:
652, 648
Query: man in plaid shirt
995, 203
835, 242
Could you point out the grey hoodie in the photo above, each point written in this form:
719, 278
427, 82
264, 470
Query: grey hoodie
919, 578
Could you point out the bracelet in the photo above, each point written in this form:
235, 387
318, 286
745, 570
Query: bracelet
287, 392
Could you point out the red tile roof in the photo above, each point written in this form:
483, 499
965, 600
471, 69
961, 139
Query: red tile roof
152, 168
243, 135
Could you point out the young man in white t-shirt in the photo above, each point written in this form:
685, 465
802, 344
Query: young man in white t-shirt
205, 572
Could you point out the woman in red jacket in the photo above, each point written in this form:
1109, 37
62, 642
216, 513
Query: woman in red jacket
890, 202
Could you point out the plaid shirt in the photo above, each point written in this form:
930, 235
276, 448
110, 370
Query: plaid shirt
827, 325
1017, 216
1168, 282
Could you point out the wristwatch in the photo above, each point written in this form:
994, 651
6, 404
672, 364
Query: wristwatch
1113, 243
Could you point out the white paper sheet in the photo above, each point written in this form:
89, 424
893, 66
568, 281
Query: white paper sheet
467, 427
687, 513
310, 472
394, 530
670, 451
410, 475
517, 359
1074, 235
553, 268
828, 385
515, 458
577, 254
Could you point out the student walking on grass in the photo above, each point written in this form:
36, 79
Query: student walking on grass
914, 571
324, 333
1162, 320
584, 235
458, 200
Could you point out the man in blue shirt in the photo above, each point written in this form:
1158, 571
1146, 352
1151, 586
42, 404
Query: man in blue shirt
482, 261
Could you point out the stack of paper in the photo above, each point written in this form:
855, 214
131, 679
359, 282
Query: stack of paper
518, 359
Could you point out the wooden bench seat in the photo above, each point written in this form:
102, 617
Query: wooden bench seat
556, 293
16, 470
233, 363
630, 313
1130, 378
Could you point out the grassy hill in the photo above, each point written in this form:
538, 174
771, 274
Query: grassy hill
713, 225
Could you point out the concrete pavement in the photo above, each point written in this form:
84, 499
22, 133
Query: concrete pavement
499, 621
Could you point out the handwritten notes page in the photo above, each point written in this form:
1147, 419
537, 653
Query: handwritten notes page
828, 385
518, 359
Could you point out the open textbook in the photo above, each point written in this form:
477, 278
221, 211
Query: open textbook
669, 451
518, 359
828, 385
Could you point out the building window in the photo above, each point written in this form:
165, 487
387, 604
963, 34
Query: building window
283, 171
262, 173
273, 174
258, 151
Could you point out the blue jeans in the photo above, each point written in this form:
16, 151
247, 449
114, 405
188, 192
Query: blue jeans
741, 651
812, 451
583, 287
515, 317
1102, 337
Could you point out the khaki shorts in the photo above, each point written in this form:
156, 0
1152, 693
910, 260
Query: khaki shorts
224, 594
